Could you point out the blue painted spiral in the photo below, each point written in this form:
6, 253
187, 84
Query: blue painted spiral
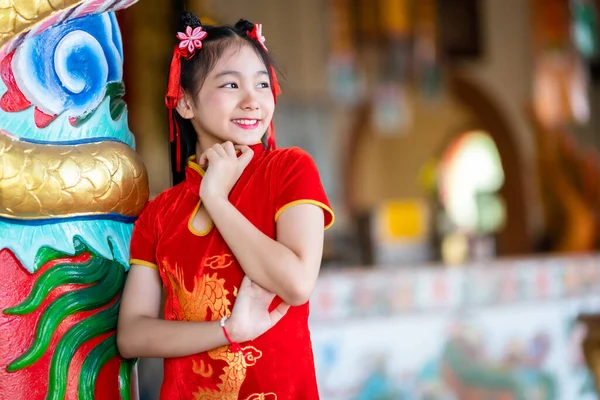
67, 67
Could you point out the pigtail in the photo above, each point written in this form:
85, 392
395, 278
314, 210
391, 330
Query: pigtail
189, 19
244, 26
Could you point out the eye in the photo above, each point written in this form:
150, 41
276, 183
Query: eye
264, 85
230, 85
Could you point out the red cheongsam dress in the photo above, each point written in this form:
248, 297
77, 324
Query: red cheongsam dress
201, 278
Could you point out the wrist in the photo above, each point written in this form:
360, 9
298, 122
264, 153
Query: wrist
232, 334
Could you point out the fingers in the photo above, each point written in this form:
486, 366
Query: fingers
229, 149
206, 157
202, 160
243, 148
246, 156
279, 313
220, 150
209, 155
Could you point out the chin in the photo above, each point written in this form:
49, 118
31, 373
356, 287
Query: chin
248, 140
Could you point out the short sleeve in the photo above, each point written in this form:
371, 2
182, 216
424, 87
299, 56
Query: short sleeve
300, 183
144, 238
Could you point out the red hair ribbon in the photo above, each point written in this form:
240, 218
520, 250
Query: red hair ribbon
190, 41
256, 34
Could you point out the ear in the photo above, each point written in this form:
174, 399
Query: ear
184, 107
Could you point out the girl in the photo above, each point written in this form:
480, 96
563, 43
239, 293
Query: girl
237, 245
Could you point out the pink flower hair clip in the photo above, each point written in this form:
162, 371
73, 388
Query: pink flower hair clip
256, 34
190, 41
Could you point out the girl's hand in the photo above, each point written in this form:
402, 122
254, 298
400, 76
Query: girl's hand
224, 169
250, 316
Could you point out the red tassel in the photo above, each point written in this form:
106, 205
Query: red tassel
276, 89
271, 137
275, 84
174, 86
171, 122
174, 133
178, 144
172, 97
276, 92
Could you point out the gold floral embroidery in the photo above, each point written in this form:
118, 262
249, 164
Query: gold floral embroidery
262, 396
209, 295
218, 262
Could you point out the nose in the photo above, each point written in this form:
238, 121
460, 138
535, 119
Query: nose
249, 102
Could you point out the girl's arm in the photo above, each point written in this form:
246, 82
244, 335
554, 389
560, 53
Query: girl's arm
142, 333
288, 266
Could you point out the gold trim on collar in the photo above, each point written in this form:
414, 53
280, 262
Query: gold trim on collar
193, 165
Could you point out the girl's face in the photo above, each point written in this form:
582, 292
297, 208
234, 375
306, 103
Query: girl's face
235, 103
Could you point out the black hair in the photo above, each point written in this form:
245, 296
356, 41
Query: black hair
195, 70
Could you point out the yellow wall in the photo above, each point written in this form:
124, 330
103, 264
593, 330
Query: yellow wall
388, 167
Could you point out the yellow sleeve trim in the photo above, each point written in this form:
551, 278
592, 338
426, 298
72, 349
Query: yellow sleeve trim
324, 206
143, 263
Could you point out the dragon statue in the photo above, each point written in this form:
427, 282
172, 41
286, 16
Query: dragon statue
71, 186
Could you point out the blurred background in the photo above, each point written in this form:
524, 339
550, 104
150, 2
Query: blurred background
458, 141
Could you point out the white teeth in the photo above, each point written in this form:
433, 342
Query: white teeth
245, 121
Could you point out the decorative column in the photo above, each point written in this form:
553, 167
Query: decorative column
71, 186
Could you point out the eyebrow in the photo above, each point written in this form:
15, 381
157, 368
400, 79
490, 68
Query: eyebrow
238, 74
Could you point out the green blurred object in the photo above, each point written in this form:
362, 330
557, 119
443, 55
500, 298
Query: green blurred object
585, 28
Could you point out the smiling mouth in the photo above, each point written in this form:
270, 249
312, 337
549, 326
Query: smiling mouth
246, 123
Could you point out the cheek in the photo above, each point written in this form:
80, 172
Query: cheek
268, 104
215, 104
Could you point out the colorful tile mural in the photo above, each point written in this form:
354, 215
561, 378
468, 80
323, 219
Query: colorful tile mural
503, 331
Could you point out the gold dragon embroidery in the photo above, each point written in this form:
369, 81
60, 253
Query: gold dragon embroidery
219, 262
233, 375
209, 295
262, 396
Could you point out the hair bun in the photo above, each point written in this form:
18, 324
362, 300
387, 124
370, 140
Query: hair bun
189, 19
244, 26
